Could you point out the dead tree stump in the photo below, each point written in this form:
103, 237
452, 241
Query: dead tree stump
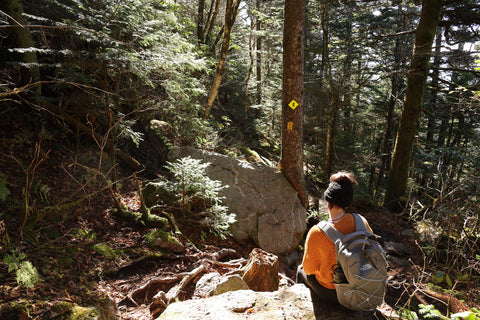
261, 271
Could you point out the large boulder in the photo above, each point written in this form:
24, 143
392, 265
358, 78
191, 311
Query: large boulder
292, 303
267, 207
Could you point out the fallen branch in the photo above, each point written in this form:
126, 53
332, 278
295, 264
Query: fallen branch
174, 292
451, 302
146, 292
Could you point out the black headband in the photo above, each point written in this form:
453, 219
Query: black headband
339, 193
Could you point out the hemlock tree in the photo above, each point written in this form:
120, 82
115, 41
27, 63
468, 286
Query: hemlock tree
292, 96
23, 41
416, 81
231, 11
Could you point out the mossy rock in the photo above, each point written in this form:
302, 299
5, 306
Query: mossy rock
251, 155
59, 310
12, 311
163, 240
105, 250
155, 194
150, 219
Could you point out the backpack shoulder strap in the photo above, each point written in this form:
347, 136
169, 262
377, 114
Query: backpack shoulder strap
332, 233
359, 223
361, 226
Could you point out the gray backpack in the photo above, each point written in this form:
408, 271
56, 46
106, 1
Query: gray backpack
360, 276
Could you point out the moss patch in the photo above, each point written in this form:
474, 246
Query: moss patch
105, 250
159, 239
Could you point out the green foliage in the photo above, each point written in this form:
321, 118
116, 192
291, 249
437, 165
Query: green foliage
219, 219
442, 277
26, 274
126, 131
190, 181
317, 215
123, 58
105, 250
407, 314
4, 192
430, 312
195, 191
158, 239
42, 191
84, 234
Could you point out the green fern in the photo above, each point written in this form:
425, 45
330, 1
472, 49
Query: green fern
26, 274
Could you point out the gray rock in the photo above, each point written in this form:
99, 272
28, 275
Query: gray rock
395, 248
267, 207
231, 283
292, 303
207, 285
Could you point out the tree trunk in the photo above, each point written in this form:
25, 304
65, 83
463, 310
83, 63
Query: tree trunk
250, 66
396, 83
22, 38
433, 100
330, 143
333, 105
259, 56
210, 23
200, 21
230, 16
292, 96
402, 155
347, 75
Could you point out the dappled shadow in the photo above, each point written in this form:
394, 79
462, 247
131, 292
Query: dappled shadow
328, 310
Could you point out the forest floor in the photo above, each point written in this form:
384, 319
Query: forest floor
85, 251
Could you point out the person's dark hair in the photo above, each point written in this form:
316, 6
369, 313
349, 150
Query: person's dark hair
340, 189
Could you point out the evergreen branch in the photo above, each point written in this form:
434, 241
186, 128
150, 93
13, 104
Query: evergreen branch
9, 16
39, 26
17, 91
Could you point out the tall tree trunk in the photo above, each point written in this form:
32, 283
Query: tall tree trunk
22, 38
432, 116
200, 21
330, 143
402, 155
259, 56
333, 104
396, 83
250, 66
230, 16
347, 72
210, 23
292, 96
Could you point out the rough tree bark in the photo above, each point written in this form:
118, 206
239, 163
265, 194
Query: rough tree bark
292, 96
231, 11
416, 82
22, 38
259, 56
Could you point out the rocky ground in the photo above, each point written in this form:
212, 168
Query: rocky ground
88, 254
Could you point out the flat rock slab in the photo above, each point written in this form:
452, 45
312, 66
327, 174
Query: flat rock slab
295, 302
292, 303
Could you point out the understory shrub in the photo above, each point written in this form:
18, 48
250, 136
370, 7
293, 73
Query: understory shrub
196, 193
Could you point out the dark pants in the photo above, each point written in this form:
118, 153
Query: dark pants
320, 292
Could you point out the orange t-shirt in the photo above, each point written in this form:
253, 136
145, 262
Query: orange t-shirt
319, 254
